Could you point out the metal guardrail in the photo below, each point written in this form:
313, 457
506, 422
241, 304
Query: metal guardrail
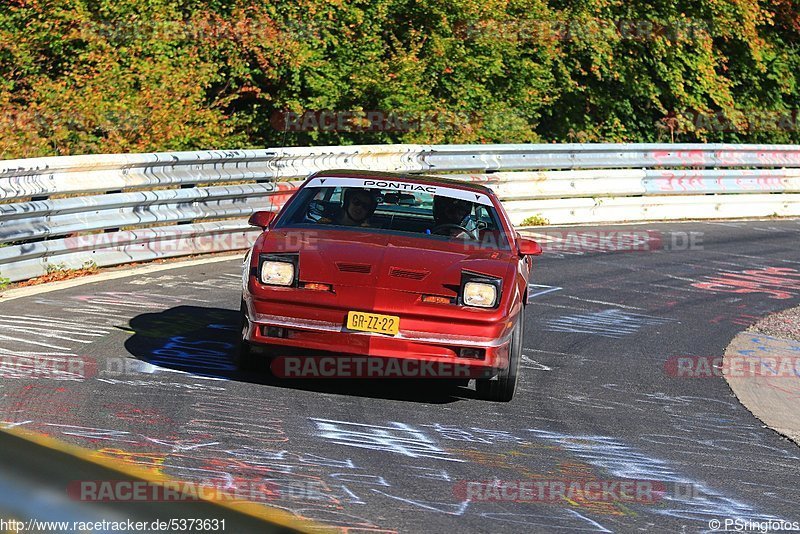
113, 209
37, 473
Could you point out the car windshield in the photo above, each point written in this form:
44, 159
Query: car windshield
433, 212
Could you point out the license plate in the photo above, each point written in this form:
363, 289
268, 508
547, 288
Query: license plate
373, 322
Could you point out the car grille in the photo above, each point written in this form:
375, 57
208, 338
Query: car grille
406, 273
363, 268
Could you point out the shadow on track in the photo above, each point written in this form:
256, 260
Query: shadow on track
202, 342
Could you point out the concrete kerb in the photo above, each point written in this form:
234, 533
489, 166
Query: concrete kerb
112, 274
772, 392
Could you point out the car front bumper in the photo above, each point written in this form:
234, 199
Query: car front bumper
328, 335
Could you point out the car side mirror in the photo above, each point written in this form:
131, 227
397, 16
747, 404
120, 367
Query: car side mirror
528, 247
261, 219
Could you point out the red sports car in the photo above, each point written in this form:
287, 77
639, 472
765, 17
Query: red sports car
390, 267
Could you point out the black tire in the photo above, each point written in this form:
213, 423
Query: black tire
502, 388
245, 358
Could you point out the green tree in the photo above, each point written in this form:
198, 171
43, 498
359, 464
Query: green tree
86, 76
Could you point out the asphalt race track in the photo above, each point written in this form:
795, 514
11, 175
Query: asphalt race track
597, 400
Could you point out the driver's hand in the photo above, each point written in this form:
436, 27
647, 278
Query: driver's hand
451, 232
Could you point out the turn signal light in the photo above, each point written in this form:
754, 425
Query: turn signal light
433, 299
317, 287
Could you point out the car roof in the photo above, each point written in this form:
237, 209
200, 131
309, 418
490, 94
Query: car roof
415, 178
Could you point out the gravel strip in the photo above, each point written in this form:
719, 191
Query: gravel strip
785, 324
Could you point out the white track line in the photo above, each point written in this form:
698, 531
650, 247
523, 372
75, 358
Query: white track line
21, 292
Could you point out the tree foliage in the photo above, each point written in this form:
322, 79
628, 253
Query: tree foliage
93, 76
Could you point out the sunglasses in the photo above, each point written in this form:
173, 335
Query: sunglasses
363, 203
459, 208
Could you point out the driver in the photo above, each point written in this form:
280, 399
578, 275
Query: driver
449, 216
357, 207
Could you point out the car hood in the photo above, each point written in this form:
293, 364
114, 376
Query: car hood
388, 261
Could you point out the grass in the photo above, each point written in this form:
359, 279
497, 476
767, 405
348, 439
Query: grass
535, 220
59, 271
55, 268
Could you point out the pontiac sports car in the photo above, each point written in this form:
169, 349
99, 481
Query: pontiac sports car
389, 266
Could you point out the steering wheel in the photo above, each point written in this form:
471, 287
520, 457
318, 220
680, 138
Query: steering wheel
435, 229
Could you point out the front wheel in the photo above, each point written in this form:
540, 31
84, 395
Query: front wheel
244, 358
501, 389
